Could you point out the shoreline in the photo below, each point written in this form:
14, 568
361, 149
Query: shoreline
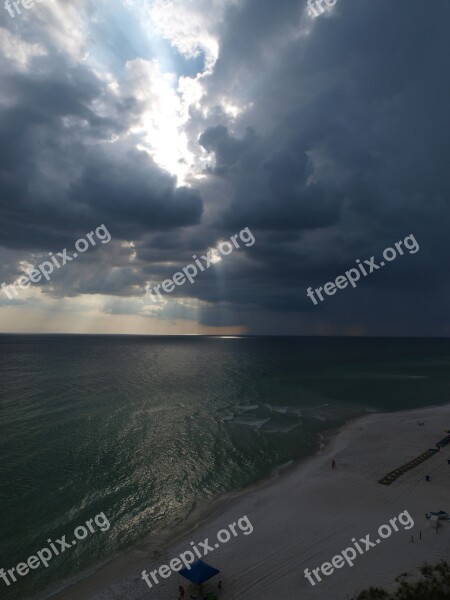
95, 576
194, 521
123, 572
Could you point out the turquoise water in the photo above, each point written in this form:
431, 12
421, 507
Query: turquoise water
148, 430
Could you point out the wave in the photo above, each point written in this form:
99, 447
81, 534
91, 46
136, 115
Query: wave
256, 423
245, 407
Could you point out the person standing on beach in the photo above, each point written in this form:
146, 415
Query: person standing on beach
333, 465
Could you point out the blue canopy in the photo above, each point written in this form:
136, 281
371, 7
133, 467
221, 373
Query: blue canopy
199, 572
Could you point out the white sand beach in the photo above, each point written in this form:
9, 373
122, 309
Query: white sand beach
309, 514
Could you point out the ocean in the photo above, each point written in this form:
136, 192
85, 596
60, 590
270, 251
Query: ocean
150, 430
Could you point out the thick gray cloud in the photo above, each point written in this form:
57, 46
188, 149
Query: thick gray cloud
348, 149
59, 175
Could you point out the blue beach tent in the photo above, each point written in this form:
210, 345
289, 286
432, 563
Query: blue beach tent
199, 572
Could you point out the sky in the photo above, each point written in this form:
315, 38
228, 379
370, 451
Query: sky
177, 124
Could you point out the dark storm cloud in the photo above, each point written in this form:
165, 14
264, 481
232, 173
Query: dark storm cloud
348, 150
58, 178
270, 189
133, 191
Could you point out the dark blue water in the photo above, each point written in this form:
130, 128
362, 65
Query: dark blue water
148, 430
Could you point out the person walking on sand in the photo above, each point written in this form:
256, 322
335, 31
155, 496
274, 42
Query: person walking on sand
334, 465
